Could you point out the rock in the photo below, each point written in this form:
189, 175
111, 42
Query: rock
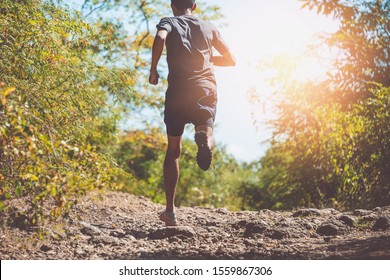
118, 233
138, 234
20, 220
90, 230
369, 218
174, 239
265, 211
329, 211
54, 234
211, 223
383, 223
131, 238
277, 234
250, 242
212, 229
314, 235
331, 228
79, 252
361, 212
45, 248
106, 240
254, 228
240, 224
308, 226
286, 222
348, 220
307, 212
328, 230
222, 211
167, 232
327, 238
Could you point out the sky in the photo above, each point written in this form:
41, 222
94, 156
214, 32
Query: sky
257, 31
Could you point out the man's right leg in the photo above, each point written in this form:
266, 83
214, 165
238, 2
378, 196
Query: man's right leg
209, 132
203, 117
205, 141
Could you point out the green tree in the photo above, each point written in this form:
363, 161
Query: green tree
332, 136
58, 108
363, 42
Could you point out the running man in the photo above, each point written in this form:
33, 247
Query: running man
191, 96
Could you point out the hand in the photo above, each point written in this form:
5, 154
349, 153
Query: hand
153, 77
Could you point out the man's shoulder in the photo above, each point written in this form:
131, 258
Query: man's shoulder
166, 19
179, 21
189, 18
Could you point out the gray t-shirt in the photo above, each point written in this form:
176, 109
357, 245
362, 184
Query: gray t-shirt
189, 50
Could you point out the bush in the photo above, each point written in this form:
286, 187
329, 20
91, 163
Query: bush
58, 108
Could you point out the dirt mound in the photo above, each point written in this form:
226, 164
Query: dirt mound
115, 225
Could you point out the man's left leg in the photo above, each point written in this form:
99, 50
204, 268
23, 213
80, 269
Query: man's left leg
171, 170
171, 177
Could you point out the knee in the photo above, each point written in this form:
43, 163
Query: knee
174, 152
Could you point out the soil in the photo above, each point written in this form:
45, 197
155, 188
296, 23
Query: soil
115, 225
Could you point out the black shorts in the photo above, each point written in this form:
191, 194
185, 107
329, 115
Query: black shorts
195, 105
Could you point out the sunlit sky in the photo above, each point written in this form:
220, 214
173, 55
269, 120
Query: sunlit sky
259, 30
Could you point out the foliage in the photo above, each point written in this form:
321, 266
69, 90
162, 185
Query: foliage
372, 152
58, 108
264, 188
331, 157
331, 147
363, 42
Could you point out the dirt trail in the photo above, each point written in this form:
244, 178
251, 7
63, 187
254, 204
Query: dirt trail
116, 225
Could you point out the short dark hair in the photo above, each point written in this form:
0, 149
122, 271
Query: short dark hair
183, 4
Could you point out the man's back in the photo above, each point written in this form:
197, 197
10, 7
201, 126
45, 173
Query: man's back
189, 50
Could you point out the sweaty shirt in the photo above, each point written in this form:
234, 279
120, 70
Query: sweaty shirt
189, 50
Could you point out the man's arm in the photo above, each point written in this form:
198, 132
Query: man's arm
158, 47
226, 59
